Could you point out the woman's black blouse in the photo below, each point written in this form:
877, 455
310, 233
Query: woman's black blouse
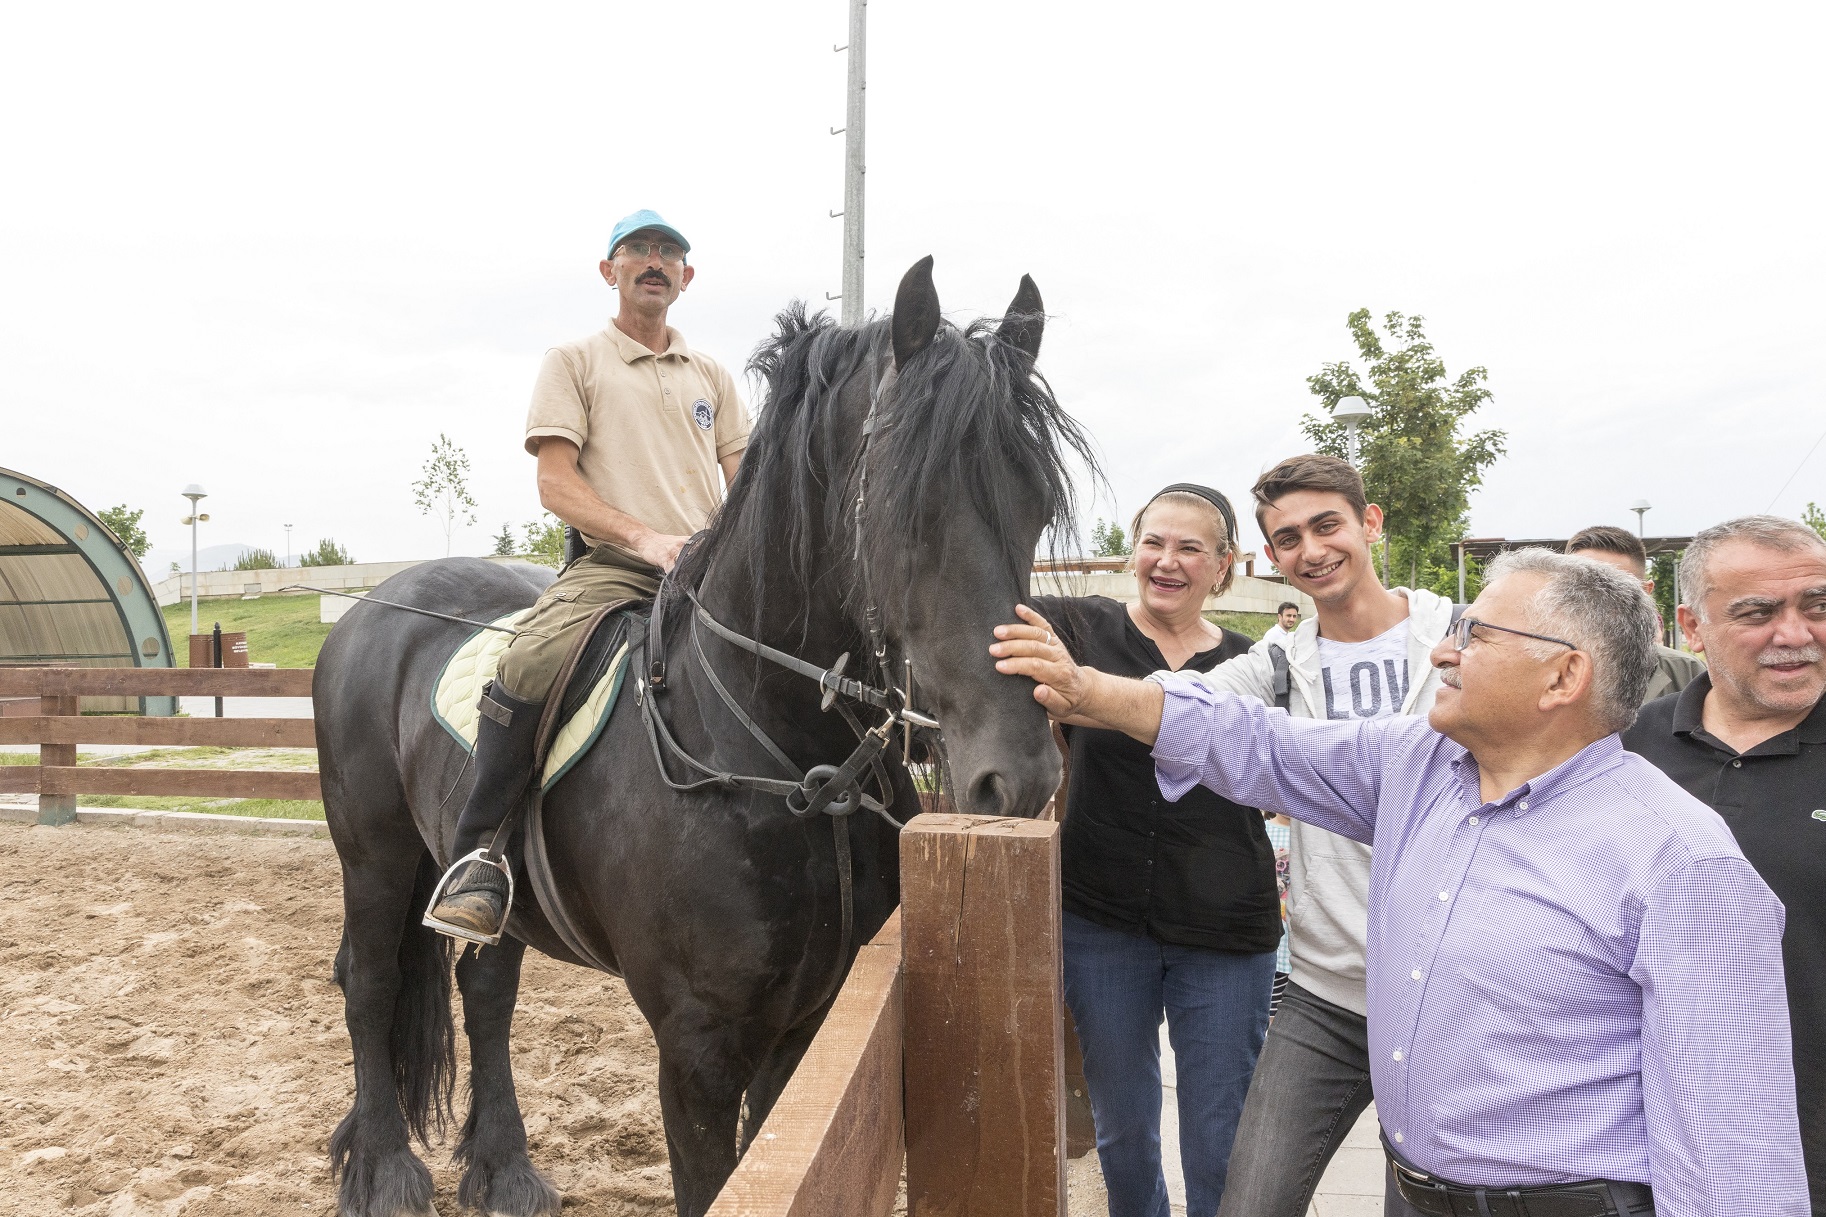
1196, 873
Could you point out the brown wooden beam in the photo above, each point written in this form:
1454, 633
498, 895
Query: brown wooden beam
56, 806
208, 783
18, 779
155, 682
985, 1077
179, 732
832, 1144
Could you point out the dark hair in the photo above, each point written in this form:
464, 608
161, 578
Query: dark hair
1609, 539
1189, 494
1311, 471
1285, 605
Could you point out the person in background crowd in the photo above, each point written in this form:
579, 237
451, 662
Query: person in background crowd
1280, 835
1619, 547
1362, 656
1575, 976
1748, 738
1170, 908
1286, 621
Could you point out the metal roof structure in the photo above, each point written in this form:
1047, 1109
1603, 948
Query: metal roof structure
70, 591
1484, 548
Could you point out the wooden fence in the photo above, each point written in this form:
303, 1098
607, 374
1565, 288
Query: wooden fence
943, 1060
59, 727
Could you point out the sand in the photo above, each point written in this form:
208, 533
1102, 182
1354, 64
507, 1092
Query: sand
173, 1043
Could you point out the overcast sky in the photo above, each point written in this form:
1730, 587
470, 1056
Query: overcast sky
278, 250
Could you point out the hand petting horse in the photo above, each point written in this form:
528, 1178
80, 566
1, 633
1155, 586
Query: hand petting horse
889, 505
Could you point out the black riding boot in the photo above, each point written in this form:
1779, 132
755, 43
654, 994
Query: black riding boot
476, 897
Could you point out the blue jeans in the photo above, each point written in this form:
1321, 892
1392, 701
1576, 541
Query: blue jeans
1118, 986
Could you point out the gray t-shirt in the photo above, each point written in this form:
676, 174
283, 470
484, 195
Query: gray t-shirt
1365, 679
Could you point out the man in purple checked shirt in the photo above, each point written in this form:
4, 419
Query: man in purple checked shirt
1576, 1004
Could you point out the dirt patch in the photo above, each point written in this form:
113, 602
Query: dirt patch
174, 1043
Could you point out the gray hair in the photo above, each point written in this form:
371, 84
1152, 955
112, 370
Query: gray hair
1601, 610
1771, 532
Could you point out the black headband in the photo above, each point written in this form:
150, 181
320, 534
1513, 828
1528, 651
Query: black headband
1214, 497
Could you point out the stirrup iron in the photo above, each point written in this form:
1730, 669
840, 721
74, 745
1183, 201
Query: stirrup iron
445, 928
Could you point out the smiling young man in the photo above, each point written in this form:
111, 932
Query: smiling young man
1363, 655
1748, 738
636, 437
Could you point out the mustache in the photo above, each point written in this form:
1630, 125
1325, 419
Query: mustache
654, 276
1779, 656
1449, 676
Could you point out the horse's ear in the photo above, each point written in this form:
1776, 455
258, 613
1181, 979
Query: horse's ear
915, 312
1025, 319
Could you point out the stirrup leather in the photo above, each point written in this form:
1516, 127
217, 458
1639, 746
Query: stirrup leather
443, 885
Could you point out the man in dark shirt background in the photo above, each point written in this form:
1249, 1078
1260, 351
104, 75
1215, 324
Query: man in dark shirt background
1748, 738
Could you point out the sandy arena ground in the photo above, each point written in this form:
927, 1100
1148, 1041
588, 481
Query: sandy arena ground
173, 1043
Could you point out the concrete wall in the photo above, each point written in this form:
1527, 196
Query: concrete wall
1246, 595
358, 576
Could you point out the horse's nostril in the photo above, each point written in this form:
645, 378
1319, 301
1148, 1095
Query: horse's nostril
989, 795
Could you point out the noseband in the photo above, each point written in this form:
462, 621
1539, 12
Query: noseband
824, 789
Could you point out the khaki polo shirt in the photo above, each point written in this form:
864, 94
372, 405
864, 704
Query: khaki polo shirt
650, 427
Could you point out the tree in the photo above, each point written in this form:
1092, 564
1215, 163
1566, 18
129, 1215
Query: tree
1815, 519
443, 488
504, 543
257, 559
124, 523
1416, 462
545, 541
1108, 540
327, 553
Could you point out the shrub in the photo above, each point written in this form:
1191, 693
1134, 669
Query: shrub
256, 559
327, 553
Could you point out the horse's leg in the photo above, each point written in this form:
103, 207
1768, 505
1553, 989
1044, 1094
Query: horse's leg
705, 1062
500, 1178
771, 1078
396, 1000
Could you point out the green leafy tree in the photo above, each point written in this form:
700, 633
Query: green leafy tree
1417, 462
442, 489
504, 543
257, 559
1108, 540
1815, 519
545, 541
124, 523
327, 553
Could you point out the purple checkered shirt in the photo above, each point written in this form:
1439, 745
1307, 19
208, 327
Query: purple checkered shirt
1581, 980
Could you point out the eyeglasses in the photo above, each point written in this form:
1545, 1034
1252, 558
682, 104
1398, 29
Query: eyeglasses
1462, 636
669, 251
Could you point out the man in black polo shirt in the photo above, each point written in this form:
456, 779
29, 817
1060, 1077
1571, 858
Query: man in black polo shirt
1749, 739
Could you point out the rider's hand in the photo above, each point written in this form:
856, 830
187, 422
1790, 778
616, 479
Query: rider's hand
1032, 649
660, 549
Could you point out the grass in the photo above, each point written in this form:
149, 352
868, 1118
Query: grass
281, 630
1252, 624
199, 758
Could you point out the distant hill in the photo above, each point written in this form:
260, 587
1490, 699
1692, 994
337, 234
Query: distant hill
157, 562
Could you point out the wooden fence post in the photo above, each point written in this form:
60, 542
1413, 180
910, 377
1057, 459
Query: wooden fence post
985, 1077
56, 808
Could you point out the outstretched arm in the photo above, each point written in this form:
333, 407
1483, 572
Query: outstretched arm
1083, 697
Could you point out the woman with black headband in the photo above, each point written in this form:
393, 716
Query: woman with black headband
1170, 908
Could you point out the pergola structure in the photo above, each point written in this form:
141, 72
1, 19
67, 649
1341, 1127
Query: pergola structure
71, 593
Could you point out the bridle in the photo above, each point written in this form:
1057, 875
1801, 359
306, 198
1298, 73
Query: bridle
835, 790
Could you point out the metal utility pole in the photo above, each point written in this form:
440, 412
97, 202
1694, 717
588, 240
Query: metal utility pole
853, 169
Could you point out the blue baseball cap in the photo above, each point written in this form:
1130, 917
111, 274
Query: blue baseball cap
628, 225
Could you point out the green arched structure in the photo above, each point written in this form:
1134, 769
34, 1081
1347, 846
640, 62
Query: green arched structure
70, 592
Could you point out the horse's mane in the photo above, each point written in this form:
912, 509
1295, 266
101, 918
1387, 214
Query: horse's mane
965, 415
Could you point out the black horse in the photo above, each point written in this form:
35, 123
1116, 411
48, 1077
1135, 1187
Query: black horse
719, 906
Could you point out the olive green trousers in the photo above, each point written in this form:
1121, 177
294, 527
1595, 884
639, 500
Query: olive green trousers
546, 634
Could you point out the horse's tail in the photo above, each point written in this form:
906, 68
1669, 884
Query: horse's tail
423, 1036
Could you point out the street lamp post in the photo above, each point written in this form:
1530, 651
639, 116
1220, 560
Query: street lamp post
1641, 508
288, 546
194, 493
1351, 411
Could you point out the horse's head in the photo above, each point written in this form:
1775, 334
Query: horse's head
963, 470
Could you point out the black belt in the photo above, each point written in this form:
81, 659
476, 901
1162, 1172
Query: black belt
1436, 1197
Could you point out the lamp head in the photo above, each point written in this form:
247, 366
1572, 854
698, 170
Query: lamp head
1351, 411
193, 492
1640, 505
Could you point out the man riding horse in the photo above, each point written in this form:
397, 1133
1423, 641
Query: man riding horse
629, 427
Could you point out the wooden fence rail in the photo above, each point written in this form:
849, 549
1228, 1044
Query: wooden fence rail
59, 727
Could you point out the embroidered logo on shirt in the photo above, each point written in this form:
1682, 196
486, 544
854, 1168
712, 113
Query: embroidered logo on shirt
1820, 814
701, 411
